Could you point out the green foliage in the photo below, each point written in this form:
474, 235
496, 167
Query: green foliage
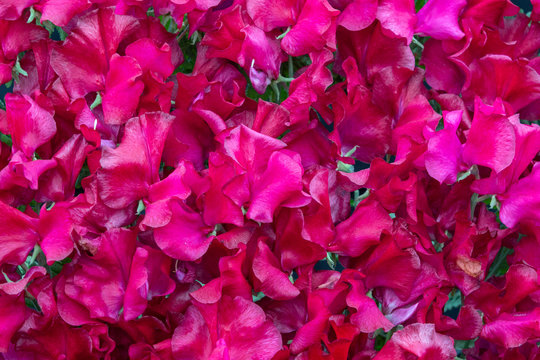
418, 4
499, 267
454, 300
169, 23
6, 139
57, 267
85, 171
189, 50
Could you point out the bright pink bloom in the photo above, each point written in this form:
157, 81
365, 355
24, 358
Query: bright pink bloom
122, 90
134, 164
420, 340
60, 12
37, 125
439, 20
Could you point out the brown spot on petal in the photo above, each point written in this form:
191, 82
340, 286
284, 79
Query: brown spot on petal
469, 266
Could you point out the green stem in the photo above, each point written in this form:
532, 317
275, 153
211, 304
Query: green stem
6, 277
97, 101
415, 40
284, 79
291, 67
284, 34
275, 87
35, 254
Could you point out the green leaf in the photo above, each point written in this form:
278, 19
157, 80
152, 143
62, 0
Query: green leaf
17, 69
32, 304
57, 267
34, 15
418, 4
6, 139
332, 260
97, 101
499, 267
140, 207
284, 34
257, 296
85, 171
454, 300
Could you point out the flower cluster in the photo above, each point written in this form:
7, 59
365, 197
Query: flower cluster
269, 179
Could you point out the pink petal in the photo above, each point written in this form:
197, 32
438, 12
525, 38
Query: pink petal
398, 17
12, 9
358, 14
246, 331
17, 235
136, 294
193, 242
439, 19
521, 202
279, 185
12, 315
30, 124
99, 282
55, 228
441, 72
274, 283
311, 31
491, 140
134, 164
60, 12
368, 317
122, 90
81, 61
444, 150
269, 15
499, 76
353, 239
152, 58
423, 341
191, 339
513, 330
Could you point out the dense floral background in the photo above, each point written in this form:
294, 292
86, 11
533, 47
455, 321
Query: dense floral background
269, 179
